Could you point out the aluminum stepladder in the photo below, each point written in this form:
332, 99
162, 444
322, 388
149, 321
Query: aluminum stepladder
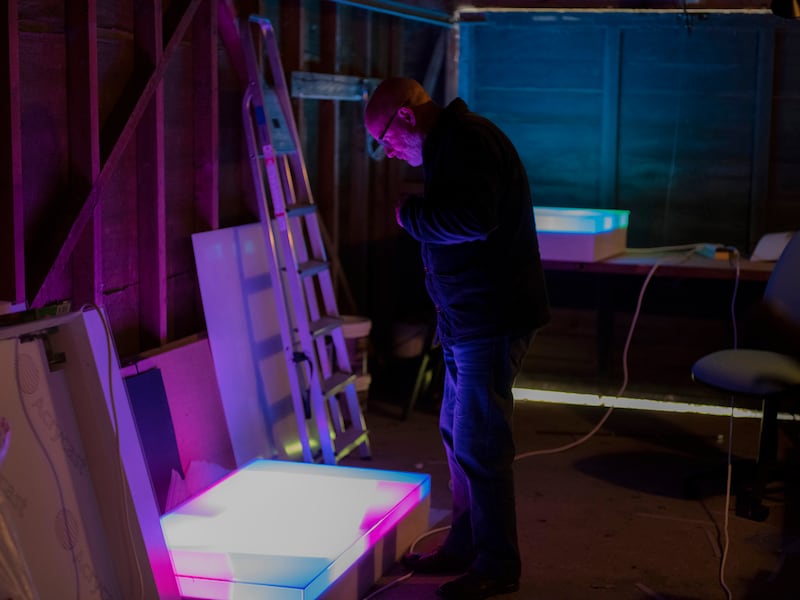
320, 376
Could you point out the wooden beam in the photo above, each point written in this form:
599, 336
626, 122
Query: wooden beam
205, 92
84, 143
117, 150
293, 49
150, 182
328, 135
451, 66
358, 208
12, 238
760, 204
609, 142
229, 33
437, 60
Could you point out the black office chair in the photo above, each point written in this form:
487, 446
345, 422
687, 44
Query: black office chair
767, 374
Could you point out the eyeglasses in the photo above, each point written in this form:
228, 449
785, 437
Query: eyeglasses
391, 120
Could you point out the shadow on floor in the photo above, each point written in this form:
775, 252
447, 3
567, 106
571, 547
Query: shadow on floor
610, 518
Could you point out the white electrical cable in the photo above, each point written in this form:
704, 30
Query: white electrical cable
689, 249
411, 573
560, 448
692, 249
67, 529
678, 248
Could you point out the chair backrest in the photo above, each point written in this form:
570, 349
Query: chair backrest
783, 287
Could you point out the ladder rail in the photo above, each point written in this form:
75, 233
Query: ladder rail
277, 285
282, 93
306, 392
311, 326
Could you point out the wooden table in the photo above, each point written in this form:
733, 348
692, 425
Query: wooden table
683, 285
670, 264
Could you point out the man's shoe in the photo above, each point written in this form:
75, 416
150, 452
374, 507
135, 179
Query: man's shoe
437, 561
474, 586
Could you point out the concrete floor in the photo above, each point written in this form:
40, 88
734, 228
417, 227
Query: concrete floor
610, 519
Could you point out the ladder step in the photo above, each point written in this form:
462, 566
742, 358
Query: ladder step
300, 209
311, 268
324, 326
349, 441
337, 383
277, 152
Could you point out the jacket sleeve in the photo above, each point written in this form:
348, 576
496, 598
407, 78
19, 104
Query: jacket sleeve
462, 189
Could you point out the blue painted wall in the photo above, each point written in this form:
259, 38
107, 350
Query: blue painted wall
691, 125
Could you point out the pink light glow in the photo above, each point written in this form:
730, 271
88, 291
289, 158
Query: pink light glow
289, 529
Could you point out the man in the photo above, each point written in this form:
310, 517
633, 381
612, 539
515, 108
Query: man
484, 275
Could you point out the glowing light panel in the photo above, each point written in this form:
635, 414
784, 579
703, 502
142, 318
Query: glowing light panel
577, 399
284, 530
579, 220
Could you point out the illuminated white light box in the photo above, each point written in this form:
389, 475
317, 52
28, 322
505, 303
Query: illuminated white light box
581, 234
283, 530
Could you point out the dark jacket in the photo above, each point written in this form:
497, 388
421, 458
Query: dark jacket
475, 223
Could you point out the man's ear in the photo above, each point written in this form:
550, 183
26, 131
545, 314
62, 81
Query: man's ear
407, 114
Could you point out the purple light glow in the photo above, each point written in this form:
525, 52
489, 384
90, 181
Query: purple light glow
285, 530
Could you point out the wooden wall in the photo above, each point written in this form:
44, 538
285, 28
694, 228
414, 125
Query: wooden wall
121, 137
118, 153
687, 120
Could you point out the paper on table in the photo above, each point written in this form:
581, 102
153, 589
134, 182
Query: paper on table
771, 245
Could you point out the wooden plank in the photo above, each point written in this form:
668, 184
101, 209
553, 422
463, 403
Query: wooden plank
784, 179
437, 60
357, 207
559, 57
609, 139
118, 149
466, 64
451, 66
181, 132
12, 237
292, 40
194, 400
84, 143
762, 128
205, 94
228, 32
150, 188
666, 61
626, 4
555, 95
236, 182
686, 134
328, 137
385, 185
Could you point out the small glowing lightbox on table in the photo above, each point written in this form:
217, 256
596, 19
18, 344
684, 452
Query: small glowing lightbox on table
580, 234
284, 530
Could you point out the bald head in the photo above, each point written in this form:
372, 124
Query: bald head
399, 114
390, 95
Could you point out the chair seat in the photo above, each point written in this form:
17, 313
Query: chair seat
752, 372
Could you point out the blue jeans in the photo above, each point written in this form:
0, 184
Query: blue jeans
475, 423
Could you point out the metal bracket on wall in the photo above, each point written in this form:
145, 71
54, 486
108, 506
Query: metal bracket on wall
323, 86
